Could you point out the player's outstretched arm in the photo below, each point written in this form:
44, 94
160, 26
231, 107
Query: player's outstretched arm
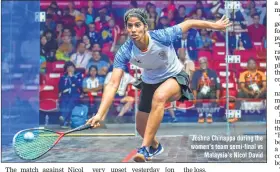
221, 24
108, 97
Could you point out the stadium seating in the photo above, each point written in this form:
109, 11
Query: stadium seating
49, 92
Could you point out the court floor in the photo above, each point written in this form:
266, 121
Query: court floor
120, 143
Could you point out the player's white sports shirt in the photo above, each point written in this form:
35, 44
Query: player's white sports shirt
159, 62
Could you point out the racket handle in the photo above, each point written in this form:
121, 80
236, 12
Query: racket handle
83, 127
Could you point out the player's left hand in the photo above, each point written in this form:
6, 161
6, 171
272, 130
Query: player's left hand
223, 23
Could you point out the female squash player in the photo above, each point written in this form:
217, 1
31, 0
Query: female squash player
163, 78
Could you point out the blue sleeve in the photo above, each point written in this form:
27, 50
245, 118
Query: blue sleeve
80, 81
123, 55
61, 85
85, 83
167, 36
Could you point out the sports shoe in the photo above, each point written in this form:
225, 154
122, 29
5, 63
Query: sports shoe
155, 151
200, 119
209, 119
142, 155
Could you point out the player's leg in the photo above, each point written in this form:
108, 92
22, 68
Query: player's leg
170, 90
141, 122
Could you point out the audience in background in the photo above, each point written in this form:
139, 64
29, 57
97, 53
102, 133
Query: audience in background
87, 37
69, 92
205, 85
81, 57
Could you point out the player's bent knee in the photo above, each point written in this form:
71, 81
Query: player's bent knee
159, 98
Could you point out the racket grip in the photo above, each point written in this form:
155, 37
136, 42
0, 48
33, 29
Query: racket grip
83, 127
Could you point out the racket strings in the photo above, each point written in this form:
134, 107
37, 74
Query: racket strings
34, 143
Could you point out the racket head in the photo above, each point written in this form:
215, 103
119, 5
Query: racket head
33, 143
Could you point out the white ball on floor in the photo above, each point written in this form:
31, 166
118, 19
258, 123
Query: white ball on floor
28, 136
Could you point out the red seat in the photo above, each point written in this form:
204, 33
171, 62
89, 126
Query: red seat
49, 67
184, 105
58, 66
222, 76
221, 65
48, 98
219, 51
207, 54
168, 105
260, 50
262, 65
49, 92
245, 54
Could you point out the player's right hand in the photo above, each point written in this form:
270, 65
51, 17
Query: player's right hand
94, 121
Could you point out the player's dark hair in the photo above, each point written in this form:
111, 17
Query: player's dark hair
140, 13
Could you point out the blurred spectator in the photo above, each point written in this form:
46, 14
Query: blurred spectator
79, 28
87, 43
204, 41
70, 85
43, 45
67, 19
218, 36
110, 34
64, 51
163, 23
97, 47
119, 43
49, 24
170, 7
102, 20
189, 66
199, 14
101, 65
67, 33
252, 82
55, 8
125, 99
93, 35
171, 17
181, 14
43, 64
148, 5
133, 4
72, 10
51, 12
257, 31
51, 46
206, 85
152, 17
88, 15
59, 29
189, 43
194, 11
92, 86
251, 10
81, 58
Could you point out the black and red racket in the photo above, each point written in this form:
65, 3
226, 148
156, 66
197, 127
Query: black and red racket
30, 144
